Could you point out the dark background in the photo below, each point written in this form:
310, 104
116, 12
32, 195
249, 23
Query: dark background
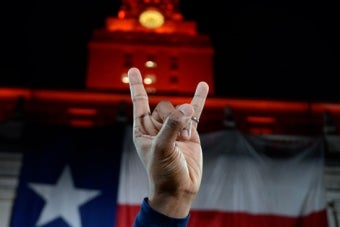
263, 49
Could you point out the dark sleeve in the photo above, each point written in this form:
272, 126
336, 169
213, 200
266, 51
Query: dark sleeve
148, 217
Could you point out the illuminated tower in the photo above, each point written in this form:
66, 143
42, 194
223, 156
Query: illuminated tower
153, 36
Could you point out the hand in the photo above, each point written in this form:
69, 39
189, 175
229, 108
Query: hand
168, 144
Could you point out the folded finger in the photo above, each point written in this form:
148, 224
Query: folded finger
162, 110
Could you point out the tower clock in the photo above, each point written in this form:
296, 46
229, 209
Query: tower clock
151, 13
151, 18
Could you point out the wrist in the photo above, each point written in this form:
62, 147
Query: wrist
175, 206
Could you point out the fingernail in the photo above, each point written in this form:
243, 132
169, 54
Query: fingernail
186, 132
189, 130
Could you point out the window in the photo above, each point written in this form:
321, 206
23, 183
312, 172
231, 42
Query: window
173, 79
150, 62
173, 63
128, 61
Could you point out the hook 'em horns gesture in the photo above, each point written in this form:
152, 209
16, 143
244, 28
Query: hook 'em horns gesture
167, 142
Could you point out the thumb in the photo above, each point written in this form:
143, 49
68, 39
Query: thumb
174, 124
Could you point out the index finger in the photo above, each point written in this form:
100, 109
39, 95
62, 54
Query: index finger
199, 98
138, 94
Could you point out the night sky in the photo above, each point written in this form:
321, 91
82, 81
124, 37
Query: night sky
263, 49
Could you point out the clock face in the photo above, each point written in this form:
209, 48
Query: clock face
151, 18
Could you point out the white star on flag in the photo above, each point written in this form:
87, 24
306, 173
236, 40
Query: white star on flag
62, 200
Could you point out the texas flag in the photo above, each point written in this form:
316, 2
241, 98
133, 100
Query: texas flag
69, 177
248, 181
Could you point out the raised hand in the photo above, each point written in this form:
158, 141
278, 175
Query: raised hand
168, 144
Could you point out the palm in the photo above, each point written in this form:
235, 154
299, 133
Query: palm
167, 141
181, 165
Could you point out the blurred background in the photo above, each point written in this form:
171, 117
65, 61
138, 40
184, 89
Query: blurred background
272, 118
263, 49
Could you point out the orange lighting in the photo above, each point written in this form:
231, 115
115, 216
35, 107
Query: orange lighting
151, 18
260, 131
125, 78
150, 64
82, 111
121, 14
81, 123
149, 79
261, 120
212, 102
